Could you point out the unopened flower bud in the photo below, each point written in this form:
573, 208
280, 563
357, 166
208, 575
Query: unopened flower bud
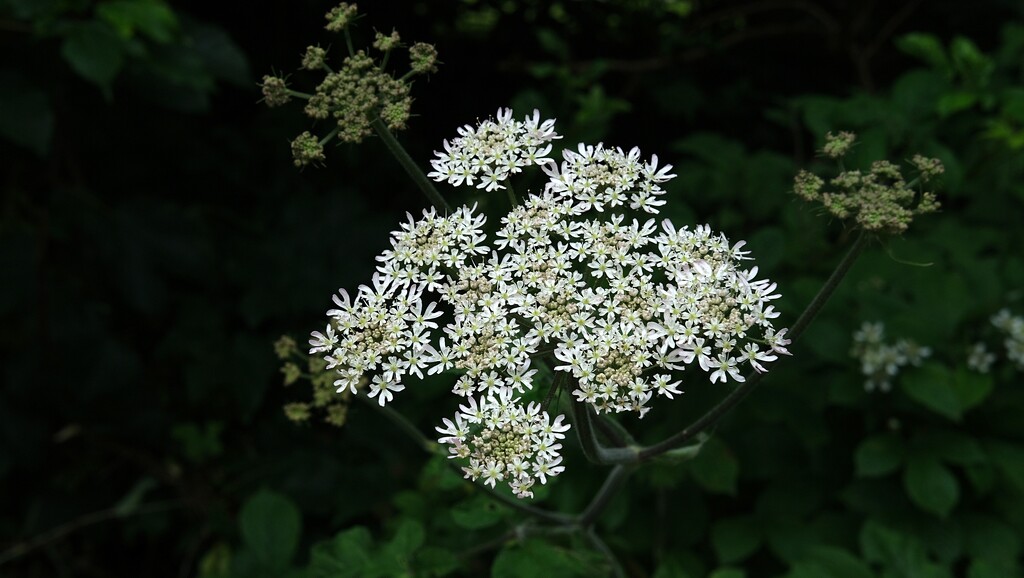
423, 58
340, 17
386, 43
275, 91
837, 145
307, 149
313, 59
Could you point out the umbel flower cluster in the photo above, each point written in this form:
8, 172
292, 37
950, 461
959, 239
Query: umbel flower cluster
880, 361
354, 93
579, 279
878, 200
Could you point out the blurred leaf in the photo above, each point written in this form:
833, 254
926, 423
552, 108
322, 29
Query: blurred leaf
734, 539
270, 525
828, 562
903, 556
133, 499
220, 54
715, 468
931, 486
926, 47
26, 117
95, 52
989, 538
931, 386
431, 561
728, 573
152, 18
954, 102
408, 538
347, 555
540, 558
476, 512
879, 455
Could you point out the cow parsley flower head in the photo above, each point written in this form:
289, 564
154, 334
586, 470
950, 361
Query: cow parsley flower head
495, 149
503, 440
576, 279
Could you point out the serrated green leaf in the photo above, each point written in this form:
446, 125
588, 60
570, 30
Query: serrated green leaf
931, 486
94, 52
270, 525
735, 538
715, 468
879, 455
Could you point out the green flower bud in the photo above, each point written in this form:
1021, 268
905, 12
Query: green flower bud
423, 58
340, 17
314, 57
307, 149
275, 91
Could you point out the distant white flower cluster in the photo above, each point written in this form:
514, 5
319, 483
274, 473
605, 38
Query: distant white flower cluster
572, 281
1012, 327
881, 361
488, 154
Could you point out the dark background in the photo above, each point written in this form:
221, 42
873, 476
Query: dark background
155, 240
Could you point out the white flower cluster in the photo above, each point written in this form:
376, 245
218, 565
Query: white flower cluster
488, 154
505, 441
618, 306
1013, 327
880, 361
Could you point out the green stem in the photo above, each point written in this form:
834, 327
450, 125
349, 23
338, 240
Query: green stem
603, 548
740, 393
348, 43
297, 94
410, 166
512, 199
612, 484
427, 445
334, 132
592, 449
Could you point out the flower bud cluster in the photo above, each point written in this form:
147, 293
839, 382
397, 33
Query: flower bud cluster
879, 200
356, 94
880, 361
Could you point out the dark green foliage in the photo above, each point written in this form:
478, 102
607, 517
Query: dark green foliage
156, 240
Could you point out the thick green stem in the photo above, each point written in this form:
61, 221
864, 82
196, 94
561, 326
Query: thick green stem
741, 392
348, 43
297, 94
592, 449
612, 484
410, 166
